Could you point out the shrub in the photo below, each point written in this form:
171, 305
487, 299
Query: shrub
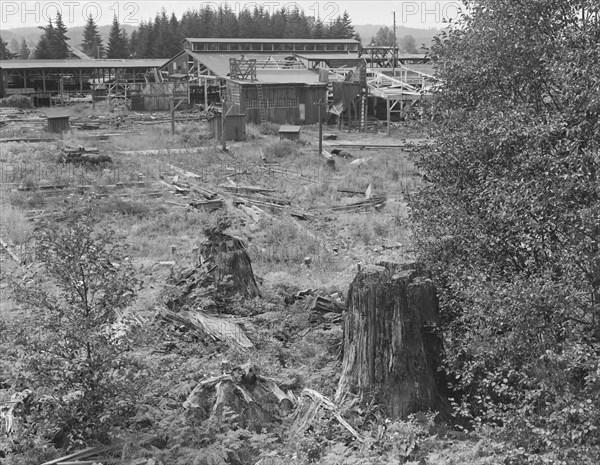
74, 353
17, 101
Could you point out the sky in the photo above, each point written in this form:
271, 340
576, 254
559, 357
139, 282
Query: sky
422, 14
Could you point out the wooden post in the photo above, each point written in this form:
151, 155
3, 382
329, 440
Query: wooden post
205, 93
320, 127
389, 116
81, 82
223, 135
173, 113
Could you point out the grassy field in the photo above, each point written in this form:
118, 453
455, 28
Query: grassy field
134, 196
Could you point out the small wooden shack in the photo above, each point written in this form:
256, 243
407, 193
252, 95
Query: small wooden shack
289, 132
58, 122
235, 126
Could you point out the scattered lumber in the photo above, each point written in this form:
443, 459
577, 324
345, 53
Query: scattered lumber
164, 151
350, 190
373, 202
213, 204
84, 155
249, 189
218, 328
28, 139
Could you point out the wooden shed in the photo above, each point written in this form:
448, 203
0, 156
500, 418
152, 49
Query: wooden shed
277, 102
235, 126
289, 132
58, 122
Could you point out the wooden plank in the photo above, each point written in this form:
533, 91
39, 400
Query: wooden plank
10, 252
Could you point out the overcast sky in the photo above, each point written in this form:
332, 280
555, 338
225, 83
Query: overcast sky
420, 14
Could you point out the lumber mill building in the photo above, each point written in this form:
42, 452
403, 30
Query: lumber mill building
41, 79
277, 80
283, 80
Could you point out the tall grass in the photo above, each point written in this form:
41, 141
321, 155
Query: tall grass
15, 226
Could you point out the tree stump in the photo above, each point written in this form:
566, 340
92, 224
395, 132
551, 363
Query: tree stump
392, 346
232, 263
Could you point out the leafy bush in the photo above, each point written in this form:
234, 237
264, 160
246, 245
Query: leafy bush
74, 350
511, 223
17, 101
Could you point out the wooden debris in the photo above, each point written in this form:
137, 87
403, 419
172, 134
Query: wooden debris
214, 204
310, 404
323, 310
219, 329
350, 190
375, 202
10, 252
30, 140
329, 136
243, 390
250, 189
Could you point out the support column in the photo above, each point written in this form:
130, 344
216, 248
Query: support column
81, 82
389, 116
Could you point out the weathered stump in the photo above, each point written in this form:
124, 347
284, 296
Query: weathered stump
232, 263
257, 400
392, 345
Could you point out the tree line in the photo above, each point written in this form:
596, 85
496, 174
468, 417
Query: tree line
161, 37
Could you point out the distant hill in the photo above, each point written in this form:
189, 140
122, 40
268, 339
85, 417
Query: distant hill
32, 34
422, 36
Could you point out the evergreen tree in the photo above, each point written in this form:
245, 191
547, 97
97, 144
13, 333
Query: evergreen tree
92, 41
58, 43
4, 52
13, 46
43, 49
318, 29
24, 51
117, 41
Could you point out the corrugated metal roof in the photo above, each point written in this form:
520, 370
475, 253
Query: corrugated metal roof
270, 41
218, 63
83, 64
329, 56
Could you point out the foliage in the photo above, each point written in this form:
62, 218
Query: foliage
511, 221
92, 41
162, 37
17, 101
24, 51
73, 345
53, 42
118, 43
5, 53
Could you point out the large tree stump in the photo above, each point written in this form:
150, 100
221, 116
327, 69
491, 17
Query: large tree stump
232, 263
392, 345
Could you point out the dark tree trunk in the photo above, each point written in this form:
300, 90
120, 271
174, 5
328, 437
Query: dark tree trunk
392, 345
232, 263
